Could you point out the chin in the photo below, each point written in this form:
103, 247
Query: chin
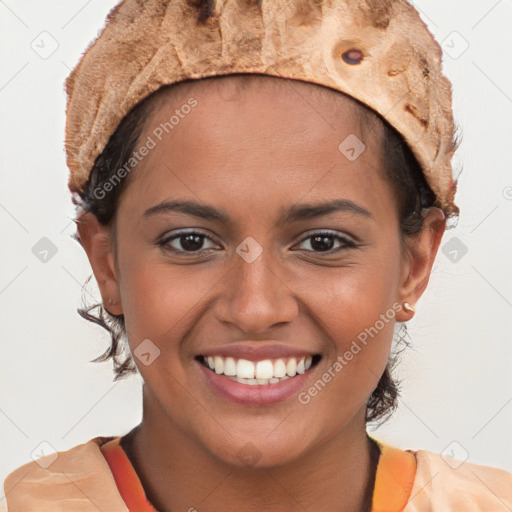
265, 444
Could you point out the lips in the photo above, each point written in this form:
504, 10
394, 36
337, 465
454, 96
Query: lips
256, 374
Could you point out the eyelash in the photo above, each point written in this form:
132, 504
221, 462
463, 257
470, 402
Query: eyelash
347, 242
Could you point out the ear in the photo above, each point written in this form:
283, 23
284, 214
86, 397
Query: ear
421, 251
95, 238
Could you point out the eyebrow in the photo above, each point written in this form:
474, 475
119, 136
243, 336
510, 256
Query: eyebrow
293, 214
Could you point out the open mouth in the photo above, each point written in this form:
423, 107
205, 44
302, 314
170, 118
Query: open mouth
262, 372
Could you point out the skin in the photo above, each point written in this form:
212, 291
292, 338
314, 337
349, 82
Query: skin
253, 153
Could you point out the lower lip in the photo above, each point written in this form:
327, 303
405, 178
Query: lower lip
254, 395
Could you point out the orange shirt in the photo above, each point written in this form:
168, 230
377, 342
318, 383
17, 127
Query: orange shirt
394, 479
127, 481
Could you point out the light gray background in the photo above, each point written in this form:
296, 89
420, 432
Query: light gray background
457, 389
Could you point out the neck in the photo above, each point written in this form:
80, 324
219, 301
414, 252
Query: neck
178, 473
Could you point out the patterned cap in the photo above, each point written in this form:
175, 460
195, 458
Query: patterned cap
379, 52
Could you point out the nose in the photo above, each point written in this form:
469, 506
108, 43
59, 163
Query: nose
255, 296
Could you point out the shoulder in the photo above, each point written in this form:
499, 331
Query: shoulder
446, 483
79, 479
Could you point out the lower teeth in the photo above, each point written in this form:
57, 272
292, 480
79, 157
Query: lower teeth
255, 382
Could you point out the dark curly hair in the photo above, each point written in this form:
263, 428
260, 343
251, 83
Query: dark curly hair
400, 168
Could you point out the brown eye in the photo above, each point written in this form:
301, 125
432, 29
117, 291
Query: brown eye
352, 57
324, 241
190, 242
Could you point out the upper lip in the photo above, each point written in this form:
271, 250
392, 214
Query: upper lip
256, 351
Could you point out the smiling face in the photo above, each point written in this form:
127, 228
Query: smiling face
247, 234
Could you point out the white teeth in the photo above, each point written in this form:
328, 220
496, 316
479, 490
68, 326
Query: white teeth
219, 364
291, 367
229, 366
264, 369
245, 369
279, 369
300, 367
263, 372
261, 382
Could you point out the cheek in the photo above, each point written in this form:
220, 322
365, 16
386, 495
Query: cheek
356, 307
352, 298
161, 302
360, 336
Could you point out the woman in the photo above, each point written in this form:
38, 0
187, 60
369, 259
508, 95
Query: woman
263, 187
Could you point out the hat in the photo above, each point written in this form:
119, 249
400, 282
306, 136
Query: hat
379, 52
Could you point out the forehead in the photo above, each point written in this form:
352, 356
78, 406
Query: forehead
237, 111
257, 137
326, 105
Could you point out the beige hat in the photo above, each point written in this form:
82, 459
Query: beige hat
377, 51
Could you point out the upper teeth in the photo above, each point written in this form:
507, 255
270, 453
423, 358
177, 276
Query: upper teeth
265, 369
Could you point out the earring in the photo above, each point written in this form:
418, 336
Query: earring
408, 308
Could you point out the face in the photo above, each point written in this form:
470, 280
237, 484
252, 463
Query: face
246, 240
